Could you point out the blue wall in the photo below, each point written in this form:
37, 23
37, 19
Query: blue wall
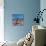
26, 7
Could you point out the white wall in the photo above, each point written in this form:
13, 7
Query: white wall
1, 21
43, 6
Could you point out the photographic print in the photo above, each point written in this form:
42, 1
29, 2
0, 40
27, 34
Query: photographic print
17, 19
